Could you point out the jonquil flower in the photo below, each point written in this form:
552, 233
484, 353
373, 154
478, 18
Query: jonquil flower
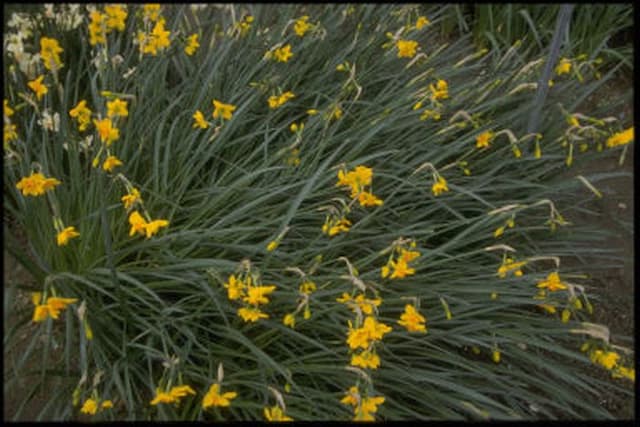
421, 22
552, 283
620, 138
483, 140
283, 54
412, 320
108, 133
440, 90
366, 360
131, 198
82, 114
36, 184
172, 396
257, 295
51, 308
276, 101
65, 235
199, 121
116, 16
275, 413
406, 48
192, 44
439, 186
50, 53
117, 108
251, 314
564, 67
301, 26
214, 398
38, 87
110, 163
223, 110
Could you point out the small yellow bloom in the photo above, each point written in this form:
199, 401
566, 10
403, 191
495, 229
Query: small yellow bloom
131, 198
110, 163
66, 234
97, 28
283, 54
8, 111
421, 22
620, 138
289, 320
552, 283
50, 53
312, 111
256, 295
251, 314
81, 113
117, 108
275, 413
352, 397
496, 356
566, 315
622, 372
108, 133
199, 120
406, 48
563, 67
151, 11
368, 199
440, 90
163, 397
138, 223
36, 184
152, 227
107, 404
412, 320
301, 26
10, 132
223, 110
214, 398
90, 407
439, 186
401, 269
116, 16
192, 44
483, 140
272, 245
235, 288
38, 87
276, 101
366, 360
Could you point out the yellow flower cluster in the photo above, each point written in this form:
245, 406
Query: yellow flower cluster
10, 130
484, 139
406, 48
564, 67
412, 319
50, 51
509, 265
38, 87
155, 41
276, 413
82, 114
500, 230
36, 184
146, 228
275, 101
248, 288
244, 25
192, 44
223, 110
302, 25
51, 308
335, 224
281, 54
620, 138
172, 396
440, 90
439, 185
91, 406
101, 24
552, 283
307, 287
400, 265
363, 406
213, 397
356, 180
